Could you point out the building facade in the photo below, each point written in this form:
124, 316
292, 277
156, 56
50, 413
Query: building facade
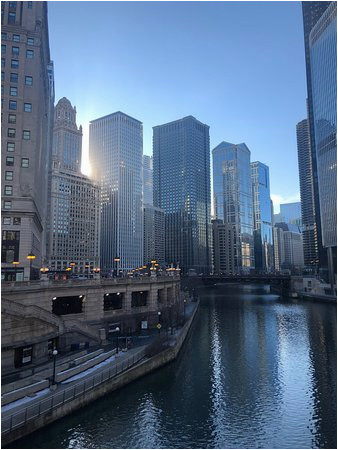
147, 180
323, 59
233, 199
262, 213
288, 247
74, 199
27, 100
153, 234
310, 238
223, 235
115, 151
290, 213
181, 152
312, 11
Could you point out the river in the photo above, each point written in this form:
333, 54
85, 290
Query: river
257, 371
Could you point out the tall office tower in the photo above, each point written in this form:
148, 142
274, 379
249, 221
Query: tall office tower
290, 213
74, 199
115, 151
233, 198
288, 247
312, 11
323, 59
181, 153
153, 234
26, 109
310, 239
223, 235
147, 180
263, 239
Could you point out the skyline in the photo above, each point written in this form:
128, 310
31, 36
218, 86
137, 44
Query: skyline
258, 102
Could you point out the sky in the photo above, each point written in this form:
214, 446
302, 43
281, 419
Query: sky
237, 66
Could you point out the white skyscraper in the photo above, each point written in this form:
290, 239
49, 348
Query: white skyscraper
115, 151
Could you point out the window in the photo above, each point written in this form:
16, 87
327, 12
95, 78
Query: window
29, 54
3, 36
24, 162
9, 175
13, 91
27, 107
3, 49
8, 204
12, 105
26, 135
14, 77
15, 51
2, 76
10, 161
11, 132
30, 41
11, 118
16, 220
8, 190
14, 64
16, 37
30, 5
6, 221
10, 146
3, 62
28, 81
11, 17
12, 5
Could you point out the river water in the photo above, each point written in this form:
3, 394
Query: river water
257, 371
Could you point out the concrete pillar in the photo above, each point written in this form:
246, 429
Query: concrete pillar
152, 297
93, 305
126, 302
331, 269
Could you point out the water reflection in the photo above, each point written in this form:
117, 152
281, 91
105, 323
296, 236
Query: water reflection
256, 371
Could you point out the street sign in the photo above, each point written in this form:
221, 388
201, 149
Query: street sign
159, 326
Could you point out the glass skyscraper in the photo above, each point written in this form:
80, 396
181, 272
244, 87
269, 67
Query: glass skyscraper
115, 150
181, 153
233, 198
312, 11
323, 58
262, 214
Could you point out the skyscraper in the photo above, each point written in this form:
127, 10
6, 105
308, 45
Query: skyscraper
233, 198
288, 247
310, 239
263, 239
181, 153
27, 97
153, 234
290, 213
74, 199
115, 151
312, 11
147, 180
223, 235
323, 61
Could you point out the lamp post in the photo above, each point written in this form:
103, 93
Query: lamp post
159, 326
72, 265
31, 258
15, 264
55, 352
44, 271
117, 329
87, 265
184, 302
117, 259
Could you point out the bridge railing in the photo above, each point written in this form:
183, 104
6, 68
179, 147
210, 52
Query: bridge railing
10, 422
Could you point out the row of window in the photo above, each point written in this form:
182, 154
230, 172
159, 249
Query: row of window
16, 38
16, 51
10, 161
27, 107
14, 63
8, 221
26, 134
14, 78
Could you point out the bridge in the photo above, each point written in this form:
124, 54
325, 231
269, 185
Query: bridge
38, 315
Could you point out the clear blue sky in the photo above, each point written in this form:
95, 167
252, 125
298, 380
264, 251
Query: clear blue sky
237, 66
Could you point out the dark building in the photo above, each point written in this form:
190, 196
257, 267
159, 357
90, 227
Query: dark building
312, 11
181, 153
310, 233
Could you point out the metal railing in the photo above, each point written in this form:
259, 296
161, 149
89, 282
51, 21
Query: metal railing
19, 418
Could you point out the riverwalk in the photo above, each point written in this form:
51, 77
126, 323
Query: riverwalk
27, 415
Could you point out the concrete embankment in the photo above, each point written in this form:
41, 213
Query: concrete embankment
143, 367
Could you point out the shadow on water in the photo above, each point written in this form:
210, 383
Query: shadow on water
257, 371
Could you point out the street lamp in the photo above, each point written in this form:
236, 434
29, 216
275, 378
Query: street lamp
117, 330
117, 259
184, 302
159, 322
55, 352
87, 265
31, 258
15, 263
